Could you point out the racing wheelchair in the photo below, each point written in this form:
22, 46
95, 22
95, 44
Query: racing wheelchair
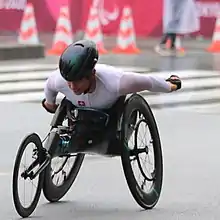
89, 131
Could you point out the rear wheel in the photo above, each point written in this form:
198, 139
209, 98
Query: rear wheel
137, 117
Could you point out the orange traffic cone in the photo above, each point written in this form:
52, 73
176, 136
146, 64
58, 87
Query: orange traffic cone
63, 33
28, 30
93, 30
215, 46
126, 40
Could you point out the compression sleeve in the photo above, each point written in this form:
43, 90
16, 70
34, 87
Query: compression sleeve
50, 90
131, 82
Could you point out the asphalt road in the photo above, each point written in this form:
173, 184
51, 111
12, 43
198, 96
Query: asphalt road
191, 170
190, 149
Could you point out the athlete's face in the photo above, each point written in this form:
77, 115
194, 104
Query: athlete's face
81, 86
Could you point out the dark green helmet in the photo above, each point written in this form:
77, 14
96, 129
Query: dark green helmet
78, 60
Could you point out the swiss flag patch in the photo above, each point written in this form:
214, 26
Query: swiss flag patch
81, 103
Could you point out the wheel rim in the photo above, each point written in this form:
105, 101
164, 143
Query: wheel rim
138, 148
33, 154
59, 174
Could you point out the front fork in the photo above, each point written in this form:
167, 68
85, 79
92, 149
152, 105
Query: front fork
43, 158
51, 149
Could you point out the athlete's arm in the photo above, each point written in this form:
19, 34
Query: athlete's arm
131, 82
50, 93
50, 90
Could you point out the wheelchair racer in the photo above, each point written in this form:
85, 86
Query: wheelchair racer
87, 83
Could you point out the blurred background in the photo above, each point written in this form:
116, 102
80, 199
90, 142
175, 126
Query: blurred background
147, 18
138, 35
160, 37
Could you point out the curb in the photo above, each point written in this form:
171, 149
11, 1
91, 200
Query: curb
21, 52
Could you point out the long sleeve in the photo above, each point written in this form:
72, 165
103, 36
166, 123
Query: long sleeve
134, 82
50, 90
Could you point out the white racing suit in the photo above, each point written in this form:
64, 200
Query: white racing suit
111, 83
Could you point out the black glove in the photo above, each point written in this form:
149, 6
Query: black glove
175, 80
42, 102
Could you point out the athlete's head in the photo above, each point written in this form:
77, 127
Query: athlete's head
77, 64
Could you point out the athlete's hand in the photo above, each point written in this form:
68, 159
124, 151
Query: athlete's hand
51, 108
175, 82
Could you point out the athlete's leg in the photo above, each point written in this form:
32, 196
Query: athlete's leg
173, 41
164, 39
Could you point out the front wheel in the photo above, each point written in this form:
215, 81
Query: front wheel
25, 208
137, 117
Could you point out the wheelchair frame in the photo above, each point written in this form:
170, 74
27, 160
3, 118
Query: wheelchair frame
106, 147
122, 110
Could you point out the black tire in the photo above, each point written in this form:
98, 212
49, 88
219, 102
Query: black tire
145, 200
23, 211
54, 193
